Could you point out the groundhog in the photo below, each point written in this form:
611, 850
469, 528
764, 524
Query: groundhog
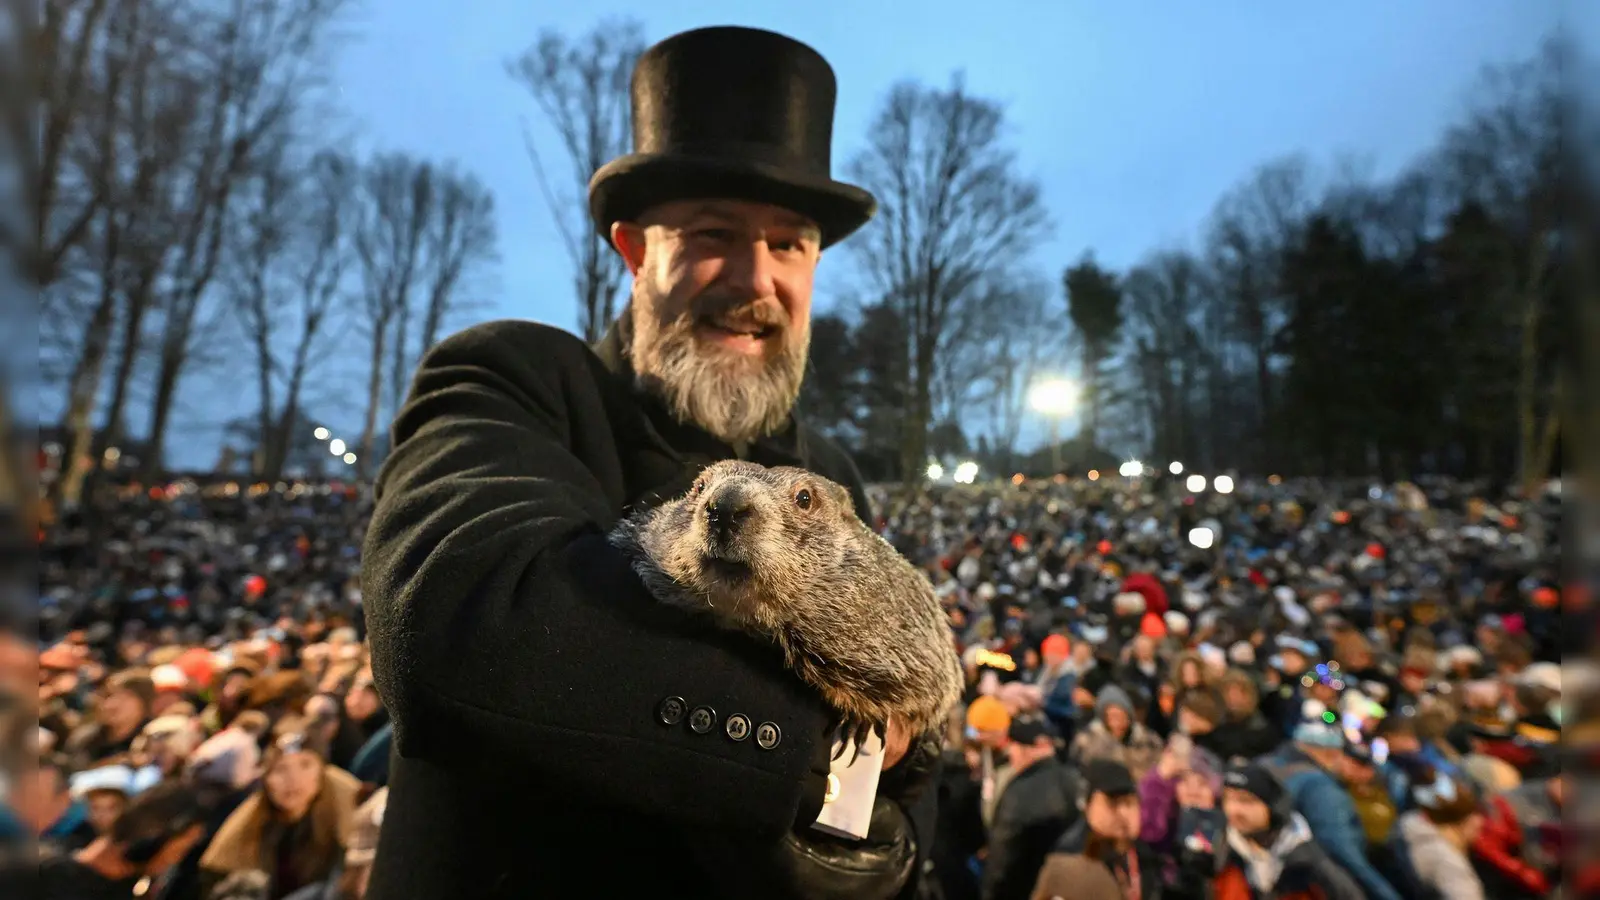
780, 553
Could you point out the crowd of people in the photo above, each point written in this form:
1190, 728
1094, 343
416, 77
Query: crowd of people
1295, 688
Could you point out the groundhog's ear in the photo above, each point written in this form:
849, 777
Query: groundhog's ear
841, 497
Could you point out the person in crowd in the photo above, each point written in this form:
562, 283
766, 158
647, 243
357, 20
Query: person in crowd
120, 715
1101, 857
1265, 851
1370, 795
1437, 837
1037, 805
1519, 846
519, 447
133, 859
294, 826
1117, 735
45, 810
1244, 732
105, 792
1310, 767
1178, 796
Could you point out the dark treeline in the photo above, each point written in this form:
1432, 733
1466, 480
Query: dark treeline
1322, 324
202, 226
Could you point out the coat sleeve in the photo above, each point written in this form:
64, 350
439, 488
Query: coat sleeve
1327, 810
507, 632
1157, 804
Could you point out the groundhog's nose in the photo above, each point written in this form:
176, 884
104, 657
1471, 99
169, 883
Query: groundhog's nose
725, 513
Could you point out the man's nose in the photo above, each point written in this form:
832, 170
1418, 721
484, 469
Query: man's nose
750, 268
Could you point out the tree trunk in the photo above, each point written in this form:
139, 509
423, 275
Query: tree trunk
161, 410
84, 386
369, 431
132, 333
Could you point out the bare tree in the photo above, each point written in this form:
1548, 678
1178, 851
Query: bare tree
131, 137
423, 230
1162, 295
294, 253
953, 210
1250, 229
581, 87
461, 239
1507, 157
257, 61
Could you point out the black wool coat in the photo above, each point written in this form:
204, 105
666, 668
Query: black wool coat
556, 729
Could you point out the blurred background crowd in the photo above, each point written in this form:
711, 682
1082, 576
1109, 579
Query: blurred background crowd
1339, 684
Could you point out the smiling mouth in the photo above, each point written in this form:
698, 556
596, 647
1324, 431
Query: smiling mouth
739, 329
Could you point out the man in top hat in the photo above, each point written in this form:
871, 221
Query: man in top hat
553, 723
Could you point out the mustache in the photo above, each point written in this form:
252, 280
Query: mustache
739, 311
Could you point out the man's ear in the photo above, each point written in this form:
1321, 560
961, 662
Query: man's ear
628, 238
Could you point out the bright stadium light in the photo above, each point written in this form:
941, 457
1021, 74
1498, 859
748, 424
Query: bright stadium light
1131, 469
966, 473
336, 447
1176, 468
1196, 483
935, 471
1054, 397
320, 434
1223, 484
1202, 537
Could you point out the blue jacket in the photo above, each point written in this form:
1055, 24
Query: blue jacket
1331, 813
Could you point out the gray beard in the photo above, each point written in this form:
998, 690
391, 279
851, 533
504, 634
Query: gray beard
735, 400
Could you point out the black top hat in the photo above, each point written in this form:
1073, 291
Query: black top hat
734, 113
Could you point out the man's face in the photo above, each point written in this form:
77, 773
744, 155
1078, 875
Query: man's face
721, 310
1245, 811
1114, 817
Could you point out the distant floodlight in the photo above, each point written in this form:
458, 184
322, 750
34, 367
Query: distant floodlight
350, 459
966, 473
1131, 469
935, 471
321, 433
1094, 474
1176, 468
1196, 483
1223, 484
336, 447
1054, 397
1202, 537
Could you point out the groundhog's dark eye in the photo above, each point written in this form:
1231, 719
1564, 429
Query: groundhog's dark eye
802, 498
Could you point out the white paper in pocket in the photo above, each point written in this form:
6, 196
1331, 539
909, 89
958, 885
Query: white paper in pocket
852, 788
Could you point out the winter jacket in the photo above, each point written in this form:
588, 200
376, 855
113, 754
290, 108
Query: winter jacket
1294, 867
1331, 815
1439, 867
1519, 846
1038, 806
497, 611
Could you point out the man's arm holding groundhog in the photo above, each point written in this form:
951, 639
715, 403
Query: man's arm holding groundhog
504, 626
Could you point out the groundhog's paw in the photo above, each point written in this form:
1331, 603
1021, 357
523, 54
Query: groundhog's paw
852, 734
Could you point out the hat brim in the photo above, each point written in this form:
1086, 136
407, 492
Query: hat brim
625, 187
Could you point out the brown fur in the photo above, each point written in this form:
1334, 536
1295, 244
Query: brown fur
853, 617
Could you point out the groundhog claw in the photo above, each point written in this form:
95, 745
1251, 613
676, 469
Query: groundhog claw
852, 733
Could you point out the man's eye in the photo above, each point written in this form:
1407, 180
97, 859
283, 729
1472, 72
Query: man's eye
714, 234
